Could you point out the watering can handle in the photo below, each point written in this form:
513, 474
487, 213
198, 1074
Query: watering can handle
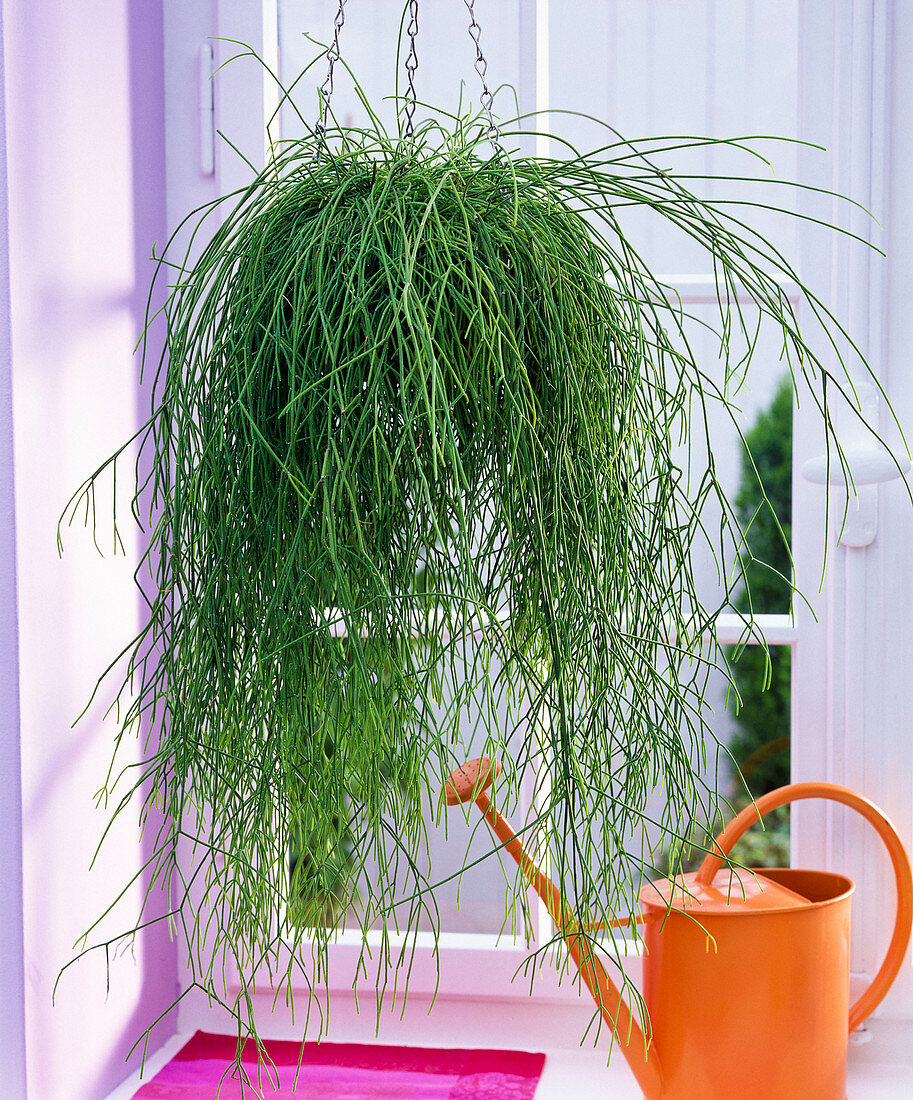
899, 860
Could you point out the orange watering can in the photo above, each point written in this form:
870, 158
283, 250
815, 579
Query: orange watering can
746, 974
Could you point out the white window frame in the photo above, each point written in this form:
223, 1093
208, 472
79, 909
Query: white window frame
851, 711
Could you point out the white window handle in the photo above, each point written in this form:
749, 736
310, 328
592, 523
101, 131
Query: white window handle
868, 465
868, 468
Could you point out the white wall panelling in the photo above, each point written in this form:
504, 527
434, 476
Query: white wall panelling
850, 718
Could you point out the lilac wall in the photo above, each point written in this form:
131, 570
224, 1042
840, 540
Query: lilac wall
85, 151
12, 1018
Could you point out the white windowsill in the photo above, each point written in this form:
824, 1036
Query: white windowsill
583, 1073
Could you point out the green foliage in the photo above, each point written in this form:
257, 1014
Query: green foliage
318, 867
763, 845
763, 504
401, 360
761, 745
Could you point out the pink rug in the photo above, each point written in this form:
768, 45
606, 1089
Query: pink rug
343, 1070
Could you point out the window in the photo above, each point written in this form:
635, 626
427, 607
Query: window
818, 72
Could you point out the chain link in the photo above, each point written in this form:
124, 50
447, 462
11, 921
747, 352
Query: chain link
481, 66
326, 88
493, 133
411, 65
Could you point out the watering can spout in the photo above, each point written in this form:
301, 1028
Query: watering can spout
470, 783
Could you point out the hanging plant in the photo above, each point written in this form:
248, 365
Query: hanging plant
413, 469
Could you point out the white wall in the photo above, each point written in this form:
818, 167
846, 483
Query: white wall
12, 1019
86, 188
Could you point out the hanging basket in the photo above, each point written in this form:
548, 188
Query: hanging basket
413, 472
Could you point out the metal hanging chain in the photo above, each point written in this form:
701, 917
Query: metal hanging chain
493, 132
481, 66
411, 66
326, 88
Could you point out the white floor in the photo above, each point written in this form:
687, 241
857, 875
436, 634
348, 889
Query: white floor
583, 1075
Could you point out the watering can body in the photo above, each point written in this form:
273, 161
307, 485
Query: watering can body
746, 982
746, 973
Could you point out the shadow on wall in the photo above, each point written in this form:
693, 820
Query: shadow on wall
85, 116
12, 1019
158, 957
